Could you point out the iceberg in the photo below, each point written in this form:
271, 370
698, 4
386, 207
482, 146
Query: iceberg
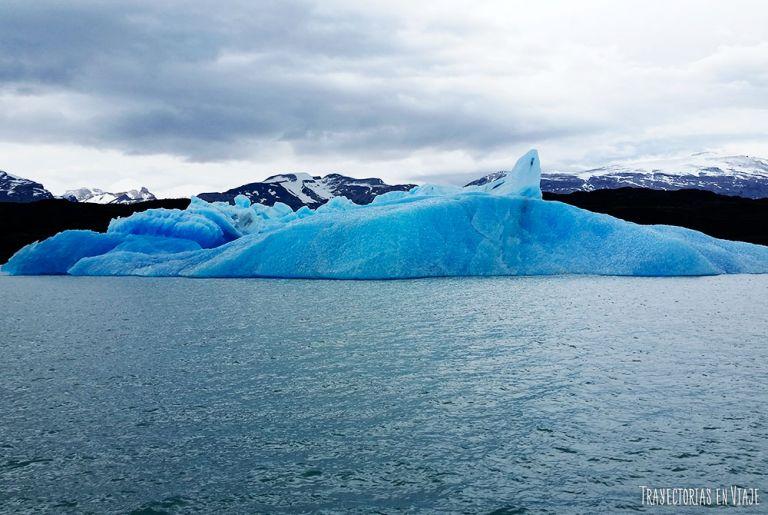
496, 226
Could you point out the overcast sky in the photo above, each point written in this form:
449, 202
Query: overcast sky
194, 96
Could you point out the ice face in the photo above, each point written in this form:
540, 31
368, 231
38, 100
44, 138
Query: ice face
500, 227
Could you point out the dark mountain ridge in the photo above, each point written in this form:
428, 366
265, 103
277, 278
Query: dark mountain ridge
18, 189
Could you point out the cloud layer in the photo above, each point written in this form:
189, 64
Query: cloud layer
389, 89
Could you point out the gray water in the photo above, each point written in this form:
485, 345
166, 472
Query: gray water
520, 395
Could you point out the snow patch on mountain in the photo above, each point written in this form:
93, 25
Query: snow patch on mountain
699, 164
97, 196
302, 189
739, 175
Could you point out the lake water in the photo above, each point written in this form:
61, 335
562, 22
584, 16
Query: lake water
560, 394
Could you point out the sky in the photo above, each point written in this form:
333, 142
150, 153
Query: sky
193, 96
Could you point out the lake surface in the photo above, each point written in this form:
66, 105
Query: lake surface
560, 394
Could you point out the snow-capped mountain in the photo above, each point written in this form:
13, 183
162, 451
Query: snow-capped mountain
737, 175
17, 189
301, 189
744, 176
97, 196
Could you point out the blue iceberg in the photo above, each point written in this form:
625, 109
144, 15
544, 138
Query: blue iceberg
500, 226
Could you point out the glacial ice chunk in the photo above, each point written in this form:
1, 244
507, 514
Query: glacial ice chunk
523, 180
496, 226
206, 226
57, 254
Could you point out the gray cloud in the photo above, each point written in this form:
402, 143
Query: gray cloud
191, 81
452, 90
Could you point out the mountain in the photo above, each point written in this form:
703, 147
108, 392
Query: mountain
733, 175
301, 189
743, 176
16, 189
97, 196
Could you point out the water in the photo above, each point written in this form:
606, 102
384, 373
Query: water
444, 395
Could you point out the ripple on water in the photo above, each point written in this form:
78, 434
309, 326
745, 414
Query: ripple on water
498, 395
